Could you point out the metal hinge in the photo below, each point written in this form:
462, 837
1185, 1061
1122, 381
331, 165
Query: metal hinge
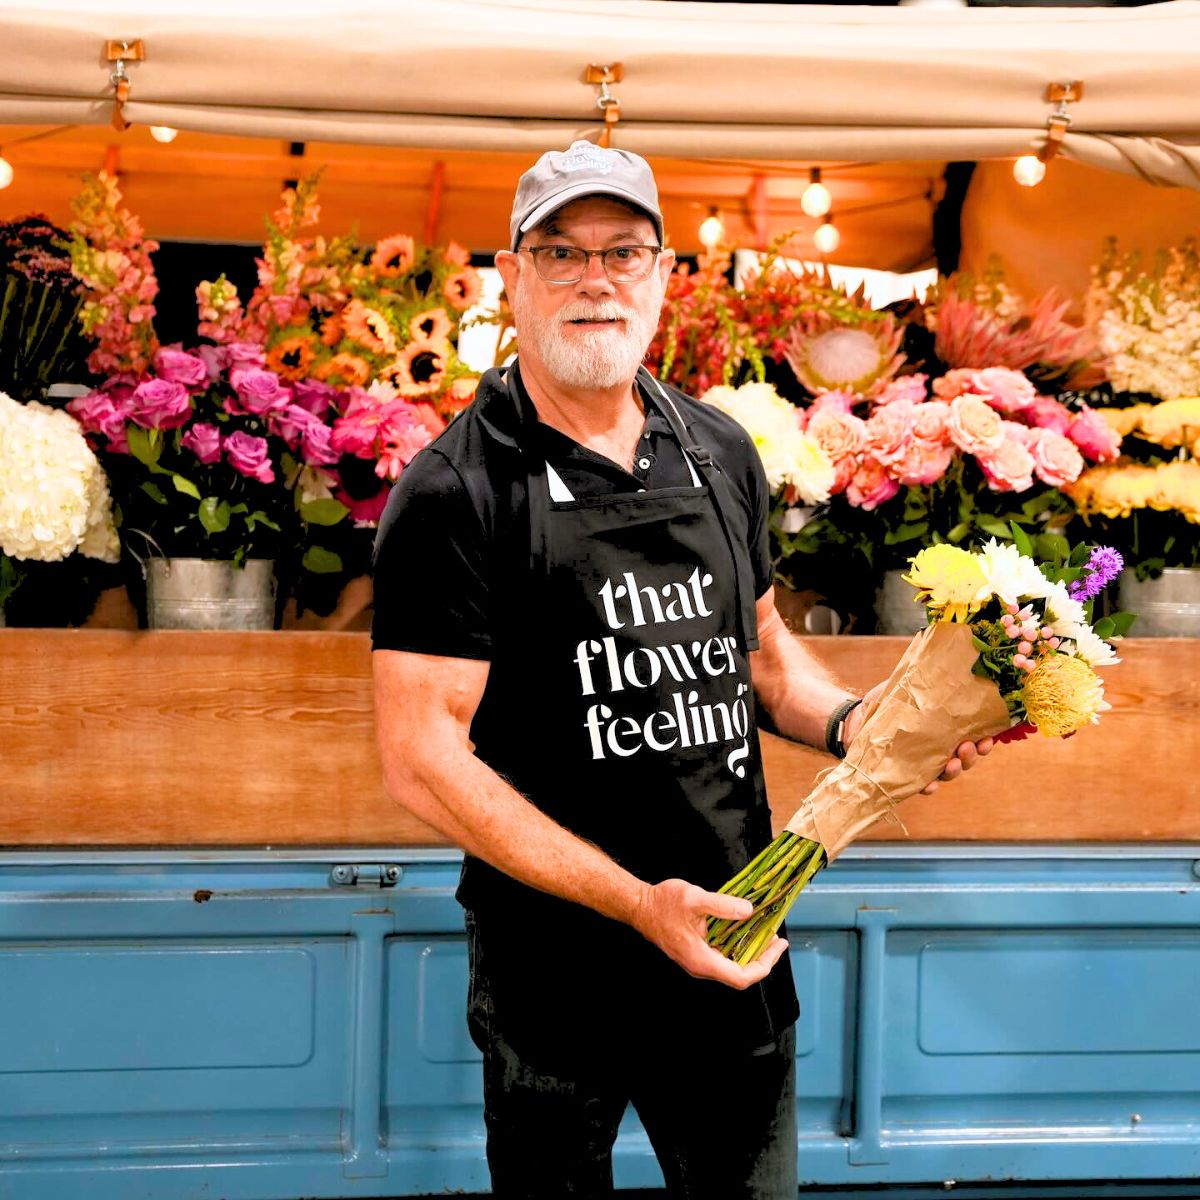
380, 875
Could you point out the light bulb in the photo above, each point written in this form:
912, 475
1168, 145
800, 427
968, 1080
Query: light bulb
826, 238
712, 230
163, 133
816, 200
6, 172
1029, 170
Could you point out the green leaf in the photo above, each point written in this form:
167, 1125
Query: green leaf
260, 518
1053, 546
1121, 621
214, 514
980, 644
1021, 540
1079, 555
154, 492
1105, 628
993, 525
906, 532
145, 445
320, 561
186, 486
959, 532
1037, 504
323, 512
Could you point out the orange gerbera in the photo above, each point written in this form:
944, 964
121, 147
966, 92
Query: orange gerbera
347, 369
456, 255
458, 395
431, 326
291, 358
394, 255
331, 330
369, 327
419, 368
462, 289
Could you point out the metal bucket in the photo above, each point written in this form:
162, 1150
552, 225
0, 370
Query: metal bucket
1168, 606
203, 593
896, 607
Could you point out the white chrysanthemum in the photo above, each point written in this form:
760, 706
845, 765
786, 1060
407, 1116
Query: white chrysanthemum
1010, 575
1094, 650
1062, 610
54, 497
789, 456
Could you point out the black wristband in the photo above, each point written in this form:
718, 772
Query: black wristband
835, 725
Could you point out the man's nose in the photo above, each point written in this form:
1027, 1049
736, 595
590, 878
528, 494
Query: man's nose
595, 281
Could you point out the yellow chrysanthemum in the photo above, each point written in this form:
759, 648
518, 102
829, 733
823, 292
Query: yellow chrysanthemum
950, 580
1124, 421
1172, 423
1062, 695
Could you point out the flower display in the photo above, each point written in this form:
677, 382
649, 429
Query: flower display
998, 659
826, 354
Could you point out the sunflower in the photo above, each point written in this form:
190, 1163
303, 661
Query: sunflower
331, 330
431, 326
395, 255
369, 327
457, 255
458, 395
419, 368
346, 369
1062, 695
462, 289
291, 358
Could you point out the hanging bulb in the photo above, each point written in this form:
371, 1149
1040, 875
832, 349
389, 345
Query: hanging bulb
712, 229
6, 172
816, 200
826, 238
1029, 170
163, 133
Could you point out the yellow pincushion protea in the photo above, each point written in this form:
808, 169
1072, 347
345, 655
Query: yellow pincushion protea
950, 581
1062, 695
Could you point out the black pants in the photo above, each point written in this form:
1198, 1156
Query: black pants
723, 1126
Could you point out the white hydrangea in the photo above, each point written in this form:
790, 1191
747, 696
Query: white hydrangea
1010, 575
789, 456
54, 497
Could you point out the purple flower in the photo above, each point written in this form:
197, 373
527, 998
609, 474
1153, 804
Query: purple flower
317, 445
180, 367
314, 396
1102, 567
204, 441
248, 454
259, 391
160, 404
215, 359
290, 423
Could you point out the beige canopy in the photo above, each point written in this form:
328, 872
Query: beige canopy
771, 81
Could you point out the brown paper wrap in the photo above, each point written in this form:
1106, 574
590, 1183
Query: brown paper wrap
932, 703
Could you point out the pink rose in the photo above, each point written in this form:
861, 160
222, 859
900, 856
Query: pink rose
907, 387
248, 454
290, 423
1094, 436
837, 433
889, 431
245, 354
204, 441
1056, 458
215, 359
98, 412
1021, 434
840, 401
160, 404
931, 421
924, 463
1008, 468
871, 485
953, 383
1045, 412
974, 426
316, 445
258, 391
314, 396
180, 367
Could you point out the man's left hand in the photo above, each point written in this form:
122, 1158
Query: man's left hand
965, 757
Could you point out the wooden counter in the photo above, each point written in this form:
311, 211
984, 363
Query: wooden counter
169, 738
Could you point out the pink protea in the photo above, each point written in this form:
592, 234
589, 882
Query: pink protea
827, 355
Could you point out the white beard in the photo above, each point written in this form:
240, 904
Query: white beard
600, 359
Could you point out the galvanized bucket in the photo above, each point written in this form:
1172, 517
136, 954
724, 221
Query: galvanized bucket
1168, 606
203, 593
896, 608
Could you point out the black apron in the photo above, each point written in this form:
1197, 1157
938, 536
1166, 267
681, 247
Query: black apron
621, 705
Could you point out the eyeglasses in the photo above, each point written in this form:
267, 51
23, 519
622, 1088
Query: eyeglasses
568, 264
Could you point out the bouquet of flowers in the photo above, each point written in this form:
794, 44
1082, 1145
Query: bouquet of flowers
1010, 649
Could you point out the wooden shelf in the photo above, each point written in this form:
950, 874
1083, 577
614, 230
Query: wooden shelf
114, 737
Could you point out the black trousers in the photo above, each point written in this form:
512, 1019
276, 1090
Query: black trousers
722, 1126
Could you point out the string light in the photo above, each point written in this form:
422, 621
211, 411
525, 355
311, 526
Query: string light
712, 229
827, 237
816, 200
1029, 170
6, 172
163, 133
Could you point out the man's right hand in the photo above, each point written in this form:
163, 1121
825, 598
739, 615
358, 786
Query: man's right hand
674, 916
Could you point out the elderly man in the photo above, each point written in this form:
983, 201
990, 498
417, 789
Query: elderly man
573, 617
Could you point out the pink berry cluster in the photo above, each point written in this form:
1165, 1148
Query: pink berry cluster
1021, 625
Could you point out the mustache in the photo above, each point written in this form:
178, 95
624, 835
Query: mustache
582, 310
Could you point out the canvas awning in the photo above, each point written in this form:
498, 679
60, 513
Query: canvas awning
816, 83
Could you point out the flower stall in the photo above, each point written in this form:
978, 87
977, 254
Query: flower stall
236, 963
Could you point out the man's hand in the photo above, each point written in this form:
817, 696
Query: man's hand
965, 757
674, 916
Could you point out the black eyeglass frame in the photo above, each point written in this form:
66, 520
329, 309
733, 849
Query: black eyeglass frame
602, 255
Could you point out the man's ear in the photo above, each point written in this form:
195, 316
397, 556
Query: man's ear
508, 264
666, 264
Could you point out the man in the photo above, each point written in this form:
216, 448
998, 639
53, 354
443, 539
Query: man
573, 614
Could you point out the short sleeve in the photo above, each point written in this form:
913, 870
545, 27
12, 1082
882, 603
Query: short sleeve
431, 573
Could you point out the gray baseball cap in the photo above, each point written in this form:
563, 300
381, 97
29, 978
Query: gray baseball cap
586, 169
